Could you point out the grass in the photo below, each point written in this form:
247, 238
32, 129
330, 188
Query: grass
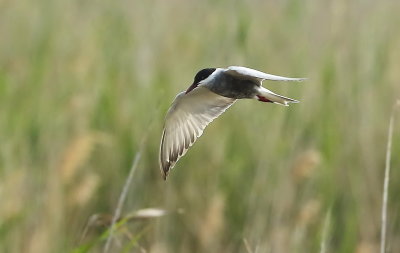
386, 178
121, 201
82, 82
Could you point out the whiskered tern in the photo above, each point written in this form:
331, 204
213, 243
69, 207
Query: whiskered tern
213, 91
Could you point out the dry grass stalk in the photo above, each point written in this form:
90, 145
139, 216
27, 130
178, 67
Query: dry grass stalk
386, 179
121, 201
247, 245
105, 220
325, 231
147, 213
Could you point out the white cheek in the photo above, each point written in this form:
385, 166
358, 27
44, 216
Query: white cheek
211, 77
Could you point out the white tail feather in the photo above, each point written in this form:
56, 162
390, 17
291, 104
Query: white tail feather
268, 96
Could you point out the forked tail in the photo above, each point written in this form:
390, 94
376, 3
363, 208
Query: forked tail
265, 95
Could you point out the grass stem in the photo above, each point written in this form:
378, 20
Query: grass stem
121, 201
386, 179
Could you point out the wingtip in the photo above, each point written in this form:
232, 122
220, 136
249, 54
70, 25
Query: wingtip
164, 171
164, 174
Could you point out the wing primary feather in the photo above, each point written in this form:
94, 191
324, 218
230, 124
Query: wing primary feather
185, 122
258, 75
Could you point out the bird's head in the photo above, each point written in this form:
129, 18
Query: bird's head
200, 76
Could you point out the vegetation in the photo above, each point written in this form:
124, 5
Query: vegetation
85, 85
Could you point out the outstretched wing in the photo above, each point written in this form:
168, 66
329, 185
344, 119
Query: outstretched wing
185, 121
243, 72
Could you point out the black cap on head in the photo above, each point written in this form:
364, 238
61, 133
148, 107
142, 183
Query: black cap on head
200, 76
203, 74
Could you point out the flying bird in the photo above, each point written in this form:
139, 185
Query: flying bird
213, 91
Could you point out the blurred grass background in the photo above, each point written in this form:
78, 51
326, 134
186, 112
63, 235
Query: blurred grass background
85, 85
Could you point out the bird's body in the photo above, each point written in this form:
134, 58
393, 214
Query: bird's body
227, 85
213, 91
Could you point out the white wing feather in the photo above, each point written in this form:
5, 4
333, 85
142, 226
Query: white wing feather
185, 121
258, 75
